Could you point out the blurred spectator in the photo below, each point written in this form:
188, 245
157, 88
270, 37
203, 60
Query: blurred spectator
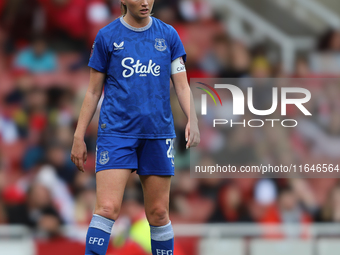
38, 203
287, 209
230, 206
57, 157
210, 187
265, 192
75, 21
305, 195
330, 41
49, 224
166, 11
32, 158
327, 59
50, 239
61, 107
19, 19
60, 193
8, 130
260, 68
239, 61
302, 68
193, 10
98, 15
187, 204
36, 101
217, 58
330, 211
68, 16
37, 58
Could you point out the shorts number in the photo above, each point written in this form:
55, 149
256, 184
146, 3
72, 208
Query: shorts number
171, 147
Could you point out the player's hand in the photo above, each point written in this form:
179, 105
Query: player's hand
79, 153
192, 134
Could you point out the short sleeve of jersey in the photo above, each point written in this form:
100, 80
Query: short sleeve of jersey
99, 54
177, 48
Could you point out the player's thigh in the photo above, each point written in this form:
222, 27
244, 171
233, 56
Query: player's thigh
156, 191
110, 186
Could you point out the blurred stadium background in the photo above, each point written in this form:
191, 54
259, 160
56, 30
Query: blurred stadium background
46, 204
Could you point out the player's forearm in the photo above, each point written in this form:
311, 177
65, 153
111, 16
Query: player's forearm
86, 113
186, 101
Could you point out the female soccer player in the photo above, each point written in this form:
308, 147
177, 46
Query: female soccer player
135, 56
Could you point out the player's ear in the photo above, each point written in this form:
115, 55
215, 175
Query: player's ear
123, 7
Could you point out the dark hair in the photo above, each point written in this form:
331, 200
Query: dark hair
285, 189
123, 8
325, 40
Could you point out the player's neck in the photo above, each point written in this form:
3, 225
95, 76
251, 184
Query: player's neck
137, 23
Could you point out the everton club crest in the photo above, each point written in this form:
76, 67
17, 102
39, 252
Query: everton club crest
160, 44
104, 157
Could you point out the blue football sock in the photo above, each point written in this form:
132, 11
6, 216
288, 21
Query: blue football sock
98, 235
162, 240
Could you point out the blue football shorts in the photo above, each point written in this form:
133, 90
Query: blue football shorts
146, 156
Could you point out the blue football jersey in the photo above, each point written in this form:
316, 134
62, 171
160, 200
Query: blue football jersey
137, 63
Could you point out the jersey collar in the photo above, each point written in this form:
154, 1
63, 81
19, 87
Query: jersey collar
139, 29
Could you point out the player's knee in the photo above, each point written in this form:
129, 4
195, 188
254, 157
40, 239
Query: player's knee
109, 211
158, 216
